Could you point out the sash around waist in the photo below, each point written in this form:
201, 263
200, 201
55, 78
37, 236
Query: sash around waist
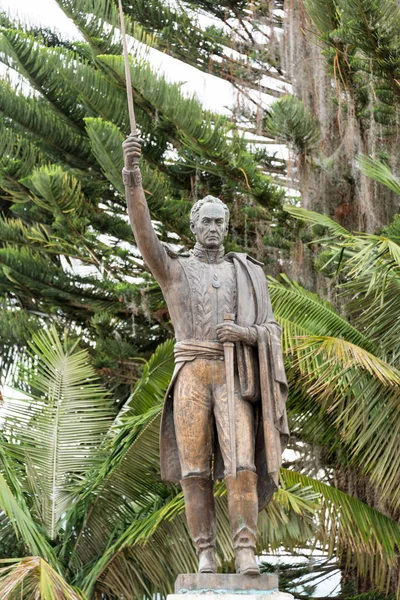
188, 350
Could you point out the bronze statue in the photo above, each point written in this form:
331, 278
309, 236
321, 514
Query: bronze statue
222, 417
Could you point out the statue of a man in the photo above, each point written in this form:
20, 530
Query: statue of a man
200, 288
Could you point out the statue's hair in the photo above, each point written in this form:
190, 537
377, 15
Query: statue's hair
194, 213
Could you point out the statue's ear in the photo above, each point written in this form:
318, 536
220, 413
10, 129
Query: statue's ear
193, 228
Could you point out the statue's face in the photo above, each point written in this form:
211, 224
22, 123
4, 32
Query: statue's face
210, 229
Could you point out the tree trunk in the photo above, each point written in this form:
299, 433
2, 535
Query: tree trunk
330, 182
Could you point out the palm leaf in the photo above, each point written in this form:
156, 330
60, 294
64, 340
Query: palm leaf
150, 389
369, 267
133, 484
317, 219
128, 480
308, 314
68, 415
378, 171
371, 286
32, 578
362, 394
348, 526
24, 527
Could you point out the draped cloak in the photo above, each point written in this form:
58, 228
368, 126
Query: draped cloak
262, 382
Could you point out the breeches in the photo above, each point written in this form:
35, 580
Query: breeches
200, 402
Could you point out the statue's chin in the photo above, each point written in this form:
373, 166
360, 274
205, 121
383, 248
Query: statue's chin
211, 244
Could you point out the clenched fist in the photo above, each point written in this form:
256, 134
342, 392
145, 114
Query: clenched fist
132, 148
227, 332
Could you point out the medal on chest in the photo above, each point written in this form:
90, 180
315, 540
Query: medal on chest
216, 283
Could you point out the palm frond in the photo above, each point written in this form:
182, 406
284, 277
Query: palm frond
369, 267
347, 524
24, 526
392, 231
378, 171
150, 389
362, 394
131, 484
317, 219
371, 286
68, 414
308, 314
32, 578
128, 479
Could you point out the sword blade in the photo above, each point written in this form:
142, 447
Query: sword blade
230, 389
128, 80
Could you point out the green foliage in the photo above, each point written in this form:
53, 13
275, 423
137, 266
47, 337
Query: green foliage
58, 428
378, 171
361, 38
289, 121
33, 577
324, 14
345, 522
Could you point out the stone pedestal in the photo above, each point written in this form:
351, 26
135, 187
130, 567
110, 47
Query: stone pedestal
194, 586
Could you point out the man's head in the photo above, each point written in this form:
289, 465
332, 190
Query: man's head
209, 220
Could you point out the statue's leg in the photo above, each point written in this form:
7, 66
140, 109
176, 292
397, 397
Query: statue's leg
193, 419
242, 490
243, 514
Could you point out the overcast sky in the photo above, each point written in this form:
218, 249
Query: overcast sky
215, 93
41, 12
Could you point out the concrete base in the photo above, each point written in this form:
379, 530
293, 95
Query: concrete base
195, 585
272, 595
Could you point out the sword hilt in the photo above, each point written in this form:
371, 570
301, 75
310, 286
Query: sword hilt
229, 318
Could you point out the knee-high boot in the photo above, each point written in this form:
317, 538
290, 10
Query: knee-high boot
200, 515
243, 515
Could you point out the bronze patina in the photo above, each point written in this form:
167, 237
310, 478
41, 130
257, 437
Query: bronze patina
222, 418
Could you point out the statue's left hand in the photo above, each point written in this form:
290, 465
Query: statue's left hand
232, 333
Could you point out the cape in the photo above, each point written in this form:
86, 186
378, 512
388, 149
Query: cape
262, 380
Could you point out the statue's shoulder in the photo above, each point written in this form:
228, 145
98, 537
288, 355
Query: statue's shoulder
243, 258
170, 250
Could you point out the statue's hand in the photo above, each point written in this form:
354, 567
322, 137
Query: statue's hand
232, 333
132, 148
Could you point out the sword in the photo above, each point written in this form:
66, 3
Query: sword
229, 318
131, 109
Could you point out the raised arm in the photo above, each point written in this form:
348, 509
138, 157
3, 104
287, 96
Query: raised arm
148, 243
